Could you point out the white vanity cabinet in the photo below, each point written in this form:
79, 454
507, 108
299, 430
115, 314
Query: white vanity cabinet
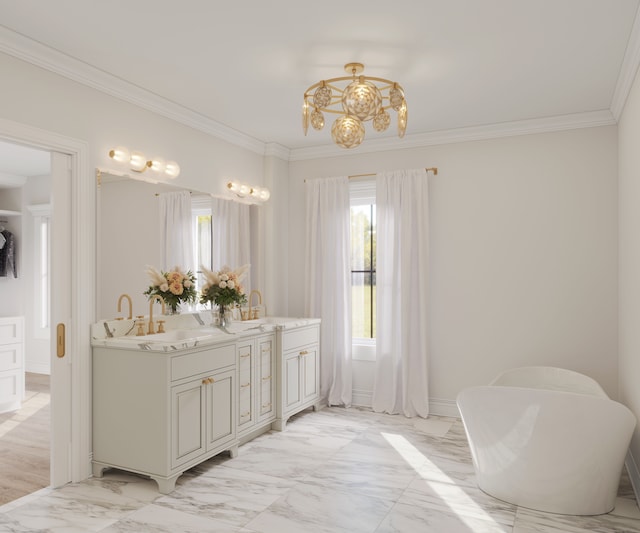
256, 384
160, 413
11, 363
163, 405
299, 372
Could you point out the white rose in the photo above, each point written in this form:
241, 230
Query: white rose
223, 284
187, 283
231, 284
164, 287
224, 277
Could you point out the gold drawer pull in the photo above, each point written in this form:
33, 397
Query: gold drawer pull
264, 406
304, 352
207, 381
245, 355
244, 415
267, 378
245, 385
265, 350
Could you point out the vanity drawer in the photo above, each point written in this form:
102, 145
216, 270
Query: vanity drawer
299, 337
184, 366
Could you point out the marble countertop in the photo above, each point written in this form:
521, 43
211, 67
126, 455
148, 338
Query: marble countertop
185, 331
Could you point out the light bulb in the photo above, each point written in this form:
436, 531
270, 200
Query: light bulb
265, 195
120, 154
172, 169
138, 161
158, 165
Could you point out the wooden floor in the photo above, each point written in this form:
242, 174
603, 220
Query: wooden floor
24, 442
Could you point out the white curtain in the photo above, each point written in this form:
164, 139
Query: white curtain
402, 273
231, 234
175, 224
328, 284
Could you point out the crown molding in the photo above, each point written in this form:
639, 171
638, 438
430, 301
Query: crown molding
475, 133
28, 50
277, 150
33, 52
628, 70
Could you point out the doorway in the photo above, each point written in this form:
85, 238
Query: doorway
72, 296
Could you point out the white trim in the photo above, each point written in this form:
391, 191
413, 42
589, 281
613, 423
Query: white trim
33, 52
634, 475
437, 406
476, 133
628, 70
83, 267
362, 398
37, 54
443, 407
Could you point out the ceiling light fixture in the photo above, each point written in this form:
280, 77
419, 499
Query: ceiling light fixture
139, 163
362, 99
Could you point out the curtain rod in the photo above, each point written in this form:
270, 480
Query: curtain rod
430, 169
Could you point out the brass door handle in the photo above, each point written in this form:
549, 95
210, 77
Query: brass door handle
60, 340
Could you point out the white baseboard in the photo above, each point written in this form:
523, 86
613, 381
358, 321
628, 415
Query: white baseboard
362, 398
634, 475
437, 406
37, 368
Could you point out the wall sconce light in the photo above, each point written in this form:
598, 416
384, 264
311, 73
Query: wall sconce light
139, 163
242, 190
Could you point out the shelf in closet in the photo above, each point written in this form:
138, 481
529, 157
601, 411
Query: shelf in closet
8, 213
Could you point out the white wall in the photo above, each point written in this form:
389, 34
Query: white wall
629, 287
39, 98
523, 253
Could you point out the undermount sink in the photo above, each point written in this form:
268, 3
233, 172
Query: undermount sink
174, 335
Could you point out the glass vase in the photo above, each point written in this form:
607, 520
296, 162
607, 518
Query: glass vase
173, 309
222, 316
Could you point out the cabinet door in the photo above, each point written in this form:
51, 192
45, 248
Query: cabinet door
292, 393
310, 374
221, 420
246, 378
266, 378
187, 422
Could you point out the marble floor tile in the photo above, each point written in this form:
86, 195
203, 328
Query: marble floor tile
333, 471
313, 509
225, 494
405, 518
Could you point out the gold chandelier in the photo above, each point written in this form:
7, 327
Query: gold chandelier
356, 102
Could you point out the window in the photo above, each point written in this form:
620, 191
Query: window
202, 236
363, 261
42, 259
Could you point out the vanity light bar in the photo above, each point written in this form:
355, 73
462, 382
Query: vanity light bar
242, 190
139, 163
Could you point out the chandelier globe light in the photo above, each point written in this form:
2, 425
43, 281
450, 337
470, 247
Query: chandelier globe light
356, 99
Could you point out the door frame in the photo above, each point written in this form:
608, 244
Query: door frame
77, 440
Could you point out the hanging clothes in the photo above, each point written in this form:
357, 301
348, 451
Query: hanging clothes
8, 255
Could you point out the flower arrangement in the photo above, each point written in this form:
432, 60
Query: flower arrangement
224, 288
174, 286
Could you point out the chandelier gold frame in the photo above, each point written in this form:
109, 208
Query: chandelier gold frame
357, 99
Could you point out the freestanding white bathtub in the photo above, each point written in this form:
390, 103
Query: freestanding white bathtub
548, 439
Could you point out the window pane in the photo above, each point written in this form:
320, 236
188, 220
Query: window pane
363, 305
361, 237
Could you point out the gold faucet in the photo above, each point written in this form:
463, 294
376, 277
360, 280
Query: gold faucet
155, 297
127, 297
253, 313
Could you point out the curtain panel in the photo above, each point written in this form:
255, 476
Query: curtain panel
175, 224
402, 296
328, 284
231, 234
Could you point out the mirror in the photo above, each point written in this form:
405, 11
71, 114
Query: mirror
129, 237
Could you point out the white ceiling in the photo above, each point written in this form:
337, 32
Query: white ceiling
245, 65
